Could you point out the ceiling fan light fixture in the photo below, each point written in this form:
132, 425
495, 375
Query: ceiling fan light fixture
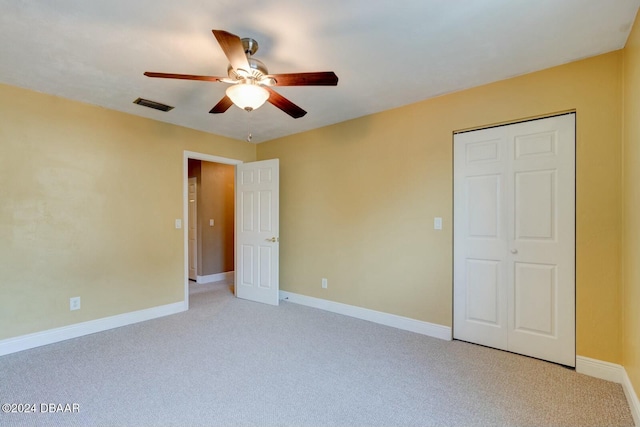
247, 96
251, 80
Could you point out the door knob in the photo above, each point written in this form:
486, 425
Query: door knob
272, 240
514, 251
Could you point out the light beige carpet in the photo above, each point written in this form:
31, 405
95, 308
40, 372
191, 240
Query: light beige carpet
230, 362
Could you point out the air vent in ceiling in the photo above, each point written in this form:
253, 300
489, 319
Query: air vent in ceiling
152, 104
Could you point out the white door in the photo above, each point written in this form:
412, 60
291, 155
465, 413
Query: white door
193, 229
514, 238
257, 231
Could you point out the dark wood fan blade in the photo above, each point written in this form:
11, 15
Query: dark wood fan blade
222, 106
232, 47
284, 104
183, 76
321, 78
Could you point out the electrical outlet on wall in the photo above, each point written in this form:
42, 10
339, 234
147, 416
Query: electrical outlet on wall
74, 303
325, 283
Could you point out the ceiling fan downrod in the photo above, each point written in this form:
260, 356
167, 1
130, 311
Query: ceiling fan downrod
249, 45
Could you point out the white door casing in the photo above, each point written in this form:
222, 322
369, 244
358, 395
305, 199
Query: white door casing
193, 229
257, 231
514, 238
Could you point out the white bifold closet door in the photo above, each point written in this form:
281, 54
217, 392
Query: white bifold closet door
514, 238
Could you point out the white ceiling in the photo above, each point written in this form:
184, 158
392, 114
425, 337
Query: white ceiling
386, 53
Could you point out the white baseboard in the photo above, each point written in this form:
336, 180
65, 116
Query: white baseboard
37, 339
611, 372
632, 398
599, 369
229, 275
405, 323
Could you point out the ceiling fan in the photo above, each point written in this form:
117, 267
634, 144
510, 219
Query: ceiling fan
250, 80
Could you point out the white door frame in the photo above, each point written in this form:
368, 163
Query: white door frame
185, 205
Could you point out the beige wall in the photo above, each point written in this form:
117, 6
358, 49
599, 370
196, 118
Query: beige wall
88, 199
358, 198
631, 212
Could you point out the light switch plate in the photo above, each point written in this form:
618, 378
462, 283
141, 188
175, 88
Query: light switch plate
211, 222
437, 223
178, 223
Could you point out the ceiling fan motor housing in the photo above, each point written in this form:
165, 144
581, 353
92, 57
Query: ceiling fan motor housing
257, 71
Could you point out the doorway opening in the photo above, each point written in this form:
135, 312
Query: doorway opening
209, 212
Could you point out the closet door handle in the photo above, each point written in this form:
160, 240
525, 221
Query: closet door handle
514, 251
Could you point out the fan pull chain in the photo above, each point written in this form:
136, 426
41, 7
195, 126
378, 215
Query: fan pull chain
249, 136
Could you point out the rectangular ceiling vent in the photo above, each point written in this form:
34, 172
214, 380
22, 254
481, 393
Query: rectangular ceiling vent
153, 104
